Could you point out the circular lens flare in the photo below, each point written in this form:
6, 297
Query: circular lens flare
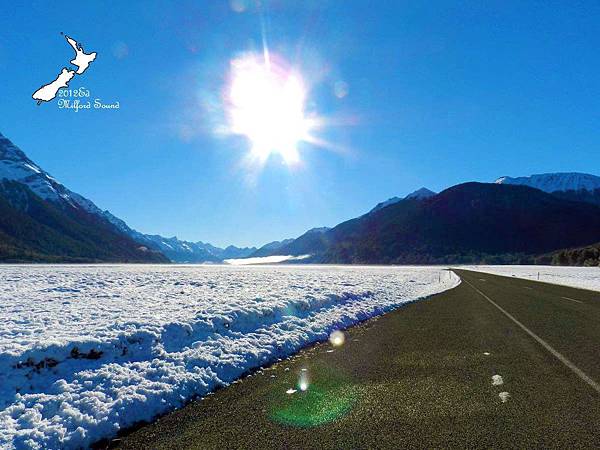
337, 338
267, 105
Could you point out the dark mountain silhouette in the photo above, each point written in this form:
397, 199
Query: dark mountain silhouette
471, 222
581, 195
271, 248
309, 243
36, 230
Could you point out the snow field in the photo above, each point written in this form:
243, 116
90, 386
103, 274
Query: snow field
577, 277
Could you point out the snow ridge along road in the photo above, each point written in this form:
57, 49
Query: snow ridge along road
88, 350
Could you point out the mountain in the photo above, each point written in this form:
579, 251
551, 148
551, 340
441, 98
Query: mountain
179, 251
471, 222
315, 238
41, 220
233, 252
419, 194
581, 187
194, 252
582, 195
388, 202
15, 166
552, 182
271, 248
36, 230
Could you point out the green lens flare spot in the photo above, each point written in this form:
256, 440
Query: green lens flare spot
316, 406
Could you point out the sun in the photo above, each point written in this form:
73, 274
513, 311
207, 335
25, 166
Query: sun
266, 104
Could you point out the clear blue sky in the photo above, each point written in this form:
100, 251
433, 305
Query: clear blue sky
440, 93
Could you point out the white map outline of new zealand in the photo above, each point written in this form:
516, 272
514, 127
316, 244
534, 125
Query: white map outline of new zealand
82, 60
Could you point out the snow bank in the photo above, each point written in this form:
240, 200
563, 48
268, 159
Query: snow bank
577, 277
88, 350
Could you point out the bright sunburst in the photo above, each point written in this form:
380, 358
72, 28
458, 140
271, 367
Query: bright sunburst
267, 105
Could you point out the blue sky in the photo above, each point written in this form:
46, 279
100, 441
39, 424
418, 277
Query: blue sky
438, 93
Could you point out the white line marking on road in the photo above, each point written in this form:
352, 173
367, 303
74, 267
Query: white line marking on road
580, 373
572, 299
504, 396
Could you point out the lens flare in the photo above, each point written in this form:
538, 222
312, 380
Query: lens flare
266, 104
303, 381
337, 338
327, 398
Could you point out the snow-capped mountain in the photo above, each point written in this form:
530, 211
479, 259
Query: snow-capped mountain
16, 166
193, 252
419, 194
318, 230
388, 202
43, 221
178, 250
555, 182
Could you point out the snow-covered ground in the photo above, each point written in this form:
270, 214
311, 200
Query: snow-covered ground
87, 350
578, 277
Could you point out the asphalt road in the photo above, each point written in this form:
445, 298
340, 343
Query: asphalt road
421, 377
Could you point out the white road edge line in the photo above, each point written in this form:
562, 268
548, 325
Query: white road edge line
572, 299
543, 343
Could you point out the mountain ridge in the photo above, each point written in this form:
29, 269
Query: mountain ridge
419, 194
16, 166
468, 222
554, 182
516, 222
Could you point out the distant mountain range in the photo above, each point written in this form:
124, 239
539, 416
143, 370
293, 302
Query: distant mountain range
555, 182
511, 220
182, 251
